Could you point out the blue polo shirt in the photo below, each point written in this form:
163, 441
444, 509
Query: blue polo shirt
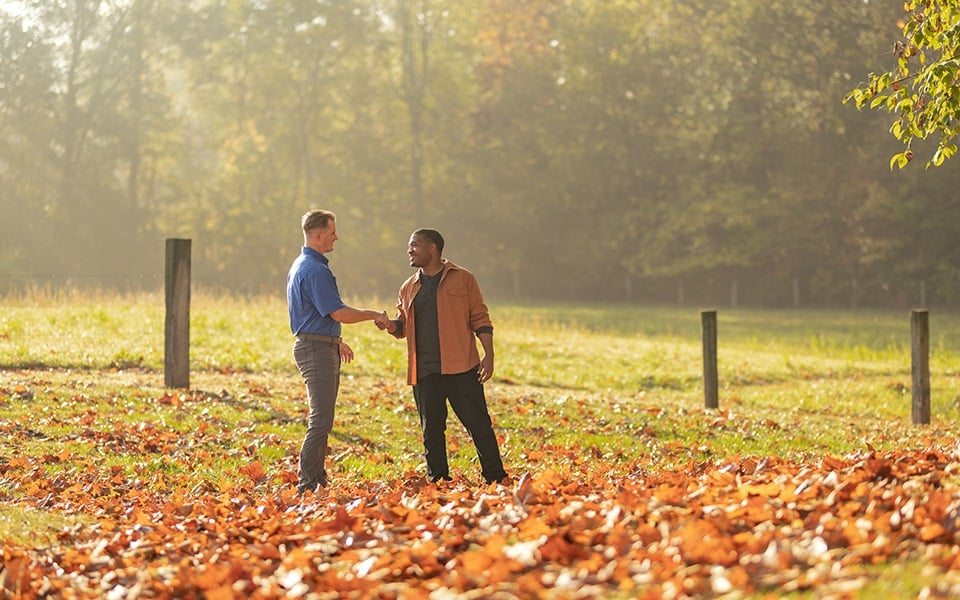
312, 295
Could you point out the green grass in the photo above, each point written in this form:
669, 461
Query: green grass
812, 373
81, 382
34, 527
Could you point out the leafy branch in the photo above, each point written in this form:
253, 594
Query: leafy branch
923, 93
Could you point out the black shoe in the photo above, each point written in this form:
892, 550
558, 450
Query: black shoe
301, 490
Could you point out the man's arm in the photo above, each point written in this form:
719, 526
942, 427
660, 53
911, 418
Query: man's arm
486, 363
349, 314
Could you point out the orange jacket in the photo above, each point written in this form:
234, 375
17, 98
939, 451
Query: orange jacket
461, 314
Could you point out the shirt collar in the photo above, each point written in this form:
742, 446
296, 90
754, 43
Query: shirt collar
444, 265
318, 255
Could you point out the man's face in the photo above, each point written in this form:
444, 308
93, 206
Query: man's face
420, 251
326, 237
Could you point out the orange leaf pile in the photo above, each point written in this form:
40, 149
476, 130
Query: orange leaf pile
188, 503
750, 525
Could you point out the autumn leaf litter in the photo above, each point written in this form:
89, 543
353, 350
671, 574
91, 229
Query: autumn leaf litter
592, 529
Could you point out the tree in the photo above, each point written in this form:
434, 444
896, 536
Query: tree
83, 100
27, 108
922, 89
414, 22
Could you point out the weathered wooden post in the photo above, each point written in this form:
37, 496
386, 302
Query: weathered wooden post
920, 365
176, 361
708, 327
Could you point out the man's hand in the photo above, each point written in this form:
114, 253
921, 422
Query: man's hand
346, 352
486, 369
384, 323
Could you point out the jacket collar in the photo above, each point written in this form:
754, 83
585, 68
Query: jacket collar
446, 266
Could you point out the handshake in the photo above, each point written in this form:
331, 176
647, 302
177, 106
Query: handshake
383, 323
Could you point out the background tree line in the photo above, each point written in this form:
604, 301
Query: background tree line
694, 150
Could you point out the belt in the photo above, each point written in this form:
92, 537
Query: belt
315, 337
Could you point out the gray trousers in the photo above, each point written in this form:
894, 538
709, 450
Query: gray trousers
319, 364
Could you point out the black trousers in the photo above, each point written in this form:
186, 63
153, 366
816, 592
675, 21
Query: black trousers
466, 398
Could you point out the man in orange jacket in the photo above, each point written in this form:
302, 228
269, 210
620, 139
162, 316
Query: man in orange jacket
439, 311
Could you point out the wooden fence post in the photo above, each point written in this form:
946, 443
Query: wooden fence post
708, 324
176, 361
920, 365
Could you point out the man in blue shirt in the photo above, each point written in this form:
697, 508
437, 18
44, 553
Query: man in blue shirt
316, 314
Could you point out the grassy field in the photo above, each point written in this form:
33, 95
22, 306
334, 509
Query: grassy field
799, 369
605, 394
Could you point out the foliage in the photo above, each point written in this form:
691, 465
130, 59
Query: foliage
616, 151
921, 90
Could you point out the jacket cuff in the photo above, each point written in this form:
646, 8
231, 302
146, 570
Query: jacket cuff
484, 329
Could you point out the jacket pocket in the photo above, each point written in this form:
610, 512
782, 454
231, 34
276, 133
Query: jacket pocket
457, 289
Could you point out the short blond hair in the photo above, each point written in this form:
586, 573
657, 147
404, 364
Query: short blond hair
316, 219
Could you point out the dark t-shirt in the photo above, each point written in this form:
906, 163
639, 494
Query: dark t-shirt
428, 333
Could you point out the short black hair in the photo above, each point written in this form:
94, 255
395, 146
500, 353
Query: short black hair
433, 236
